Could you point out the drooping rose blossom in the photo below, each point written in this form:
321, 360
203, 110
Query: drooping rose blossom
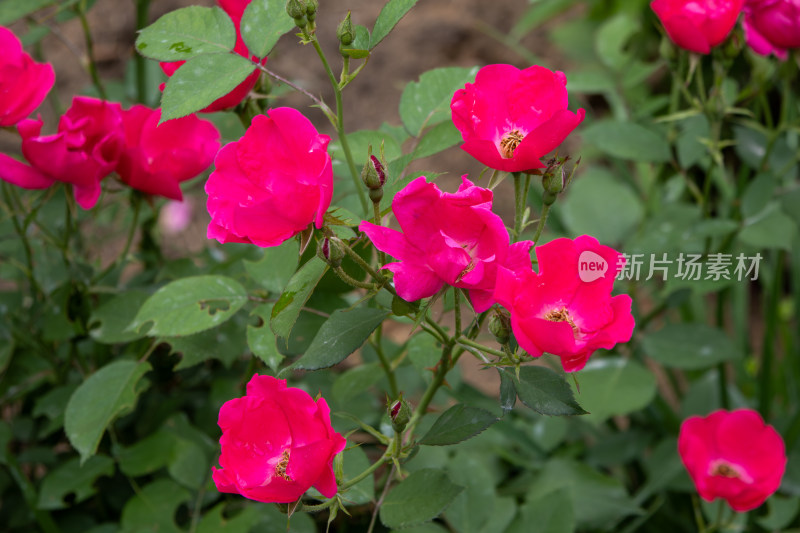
772, 26
697, 25
510, 118
566, 309
156, 159
276, 443
733, 455
235, 10
447, 239
23, 82
272, 183
85, 150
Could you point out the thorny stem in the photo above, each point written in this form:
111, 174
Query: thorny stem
371, 271
469, 342
372, 468
26, 245
542, 220
387, 367
457, 310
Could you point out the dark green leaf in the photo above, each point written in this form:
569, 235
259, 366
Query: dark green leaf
438, 138
276, 266
153, 508
190, 305
225, 343
107, 393
295, 296
342, 334
427, 102
72, 478
263, 23
188, 463
611, 39
243, 522
356, 380
146, 455
458, 423
627, 140
5, 438
421, 497
354, 462
186, 33
690, 346
508, 393
771, 228
200, 81
552, 513
545, 391
109, 322
261, 340
389, 16
12, 11
473, 508
782, 511
614, 386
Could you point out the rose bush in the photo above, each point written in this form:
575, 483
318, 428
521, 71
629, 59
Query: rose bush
555, 311
272, 183
24, 83
511, 118
698, 26
447, 239
276, 443
733, 455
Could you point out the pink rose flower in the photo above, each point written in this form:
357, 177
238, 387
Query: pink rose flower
235, 10
156, 159
24, 84
447, 239
85, 150
772, 26
272, 183
175, 217
276, 443
733, 455
566, 309
697, 25
510, 118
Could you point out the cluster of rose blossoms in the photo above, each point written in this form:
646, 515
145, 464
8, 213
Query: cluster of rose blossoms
770, 26
277, 441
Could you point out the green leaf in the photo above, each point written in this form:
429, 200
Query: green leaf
782, 511
73, 478
153, 508
769, 229
690, 346
458, 423
421, 497
389, 16
5, 437
276, 266
437, 139
611, 38
508, 393
261, 340
225, 343
186, 33
359, 48
243, 522
188, 464
263, 23
106, 394
200, 81
473, 508
590, 199
190, 305
688, 146
354, 462
552, 513
146, 455
360, 140
424, 353
545, 391
627, 140
614, 386
757, 195
342, 334
427, 102
295, 296
109, 323
356, 380
13, 11
597, 499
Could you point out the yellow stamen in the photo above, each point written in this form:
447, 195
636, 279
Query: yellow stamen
725, 471
561, 315
509, 143
280, 468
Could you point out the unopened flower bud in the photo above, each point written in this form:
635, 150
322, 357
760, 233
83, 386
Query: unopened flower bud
330, 250
400, 413
345, 32
499, 327
296, 8
311, 9
553, 179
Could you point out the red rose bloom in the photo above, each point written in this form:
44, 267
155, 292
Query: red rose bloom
510, 118
560, 310
23, 82
697, 25
733, 455
772, 26
157, 158
277, 442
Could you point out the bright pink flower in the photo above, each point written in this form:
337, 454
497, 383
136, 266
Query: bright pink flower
23, 82
272, 183
697, 25
447, 239
772, 26
277, 442
510, 118
175, 217
83, 152
156, 159
566, 309
235, 10
733, 455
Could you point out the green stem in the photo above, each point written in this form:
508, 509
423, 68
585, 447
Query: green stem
362, 197
521, 185
721, 368
542, 220
372, 468
387, 367
457, 310
344, 276
765, 392
434, 385
26, 244
136, 200
469, 342
432, 323
142, 83
368, 269
80, 8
